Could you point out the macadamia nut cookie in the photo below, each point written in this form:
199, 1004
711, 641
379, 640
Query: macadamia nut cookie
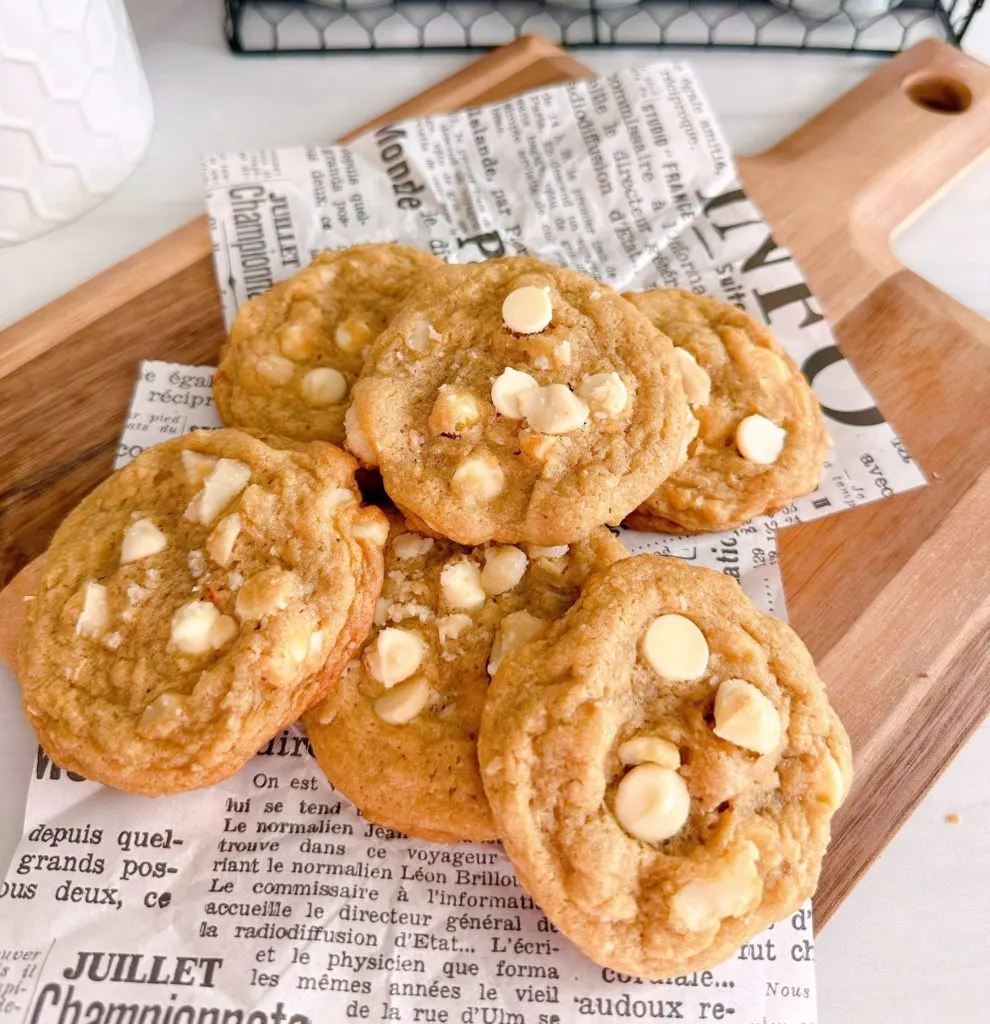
398, 735
662, 767
756, 440
519, 402
295, 352
195, 604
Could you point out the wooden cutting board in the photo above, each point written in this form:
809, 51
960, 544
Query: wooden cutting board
892, 598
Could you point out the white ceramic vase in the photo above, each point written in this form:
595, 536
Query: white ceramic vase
75, 110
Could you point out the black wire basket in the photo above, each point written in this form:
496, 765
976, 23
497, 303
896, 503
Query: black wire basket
829, 26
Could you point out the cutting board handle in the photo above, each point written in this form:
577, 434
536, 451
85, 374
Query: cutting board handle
872, 161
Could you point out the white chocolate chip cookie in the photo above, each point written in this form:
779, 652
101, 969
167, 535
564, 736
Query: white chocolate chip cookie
398, 734
545, 405
760, 439
662, 766
295, 352
142, 666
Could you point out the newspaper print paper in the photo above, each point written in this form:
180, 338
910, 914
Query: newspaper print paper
268, 898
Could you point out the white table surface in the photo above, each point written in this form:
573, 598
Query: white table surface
912, 943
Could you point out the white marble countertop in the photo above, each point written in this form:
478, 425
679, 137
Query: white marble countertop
912, 943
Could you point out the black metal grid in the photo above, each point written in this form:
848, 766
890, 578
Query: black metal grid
336, 26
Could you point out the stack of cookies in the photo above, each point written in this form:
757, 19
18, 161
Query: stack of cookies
480, 658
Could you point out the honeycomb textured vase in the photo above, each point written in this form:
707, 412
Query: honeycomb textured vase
75, 111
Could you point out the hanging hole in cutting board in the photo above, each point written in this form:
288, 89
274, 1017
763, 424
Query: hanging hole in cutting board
940, 94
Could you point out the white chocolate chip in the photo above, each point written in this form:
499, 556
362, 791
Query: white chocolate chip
370, 525
297, 342
226, 480
746, 717
220, 543
732, 888
265, 593
454, 411
504, 568
514, 631
536, 446
697, 383
689, 435
141, 539
760, 440
460, 585
479, 477
235, 580
403, 703
276, 369
323, 386
450, 627
605, 393
410, 545
355, 439
354, 334
396, 655
421, 337
112, 641
192, 624
197, 466
95, 615
222, 632
506, 389
541, 362
562, 353
553, 409
164, 706
675, 648
652, 803
527, 310
401, 610
650, 749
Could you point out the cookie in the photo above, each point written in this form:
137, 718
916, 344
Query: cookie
196, 603
519, 402
295, 352
662, 768
398, 735
758, 442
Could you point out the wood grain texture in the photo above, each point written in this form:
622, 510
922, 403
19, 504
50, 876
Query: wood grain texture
892, 598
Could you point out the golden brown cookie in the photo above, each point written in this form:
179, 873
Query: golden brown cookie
663, 767
520, 402
196, 603
295, 352
759, 442
398, 735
